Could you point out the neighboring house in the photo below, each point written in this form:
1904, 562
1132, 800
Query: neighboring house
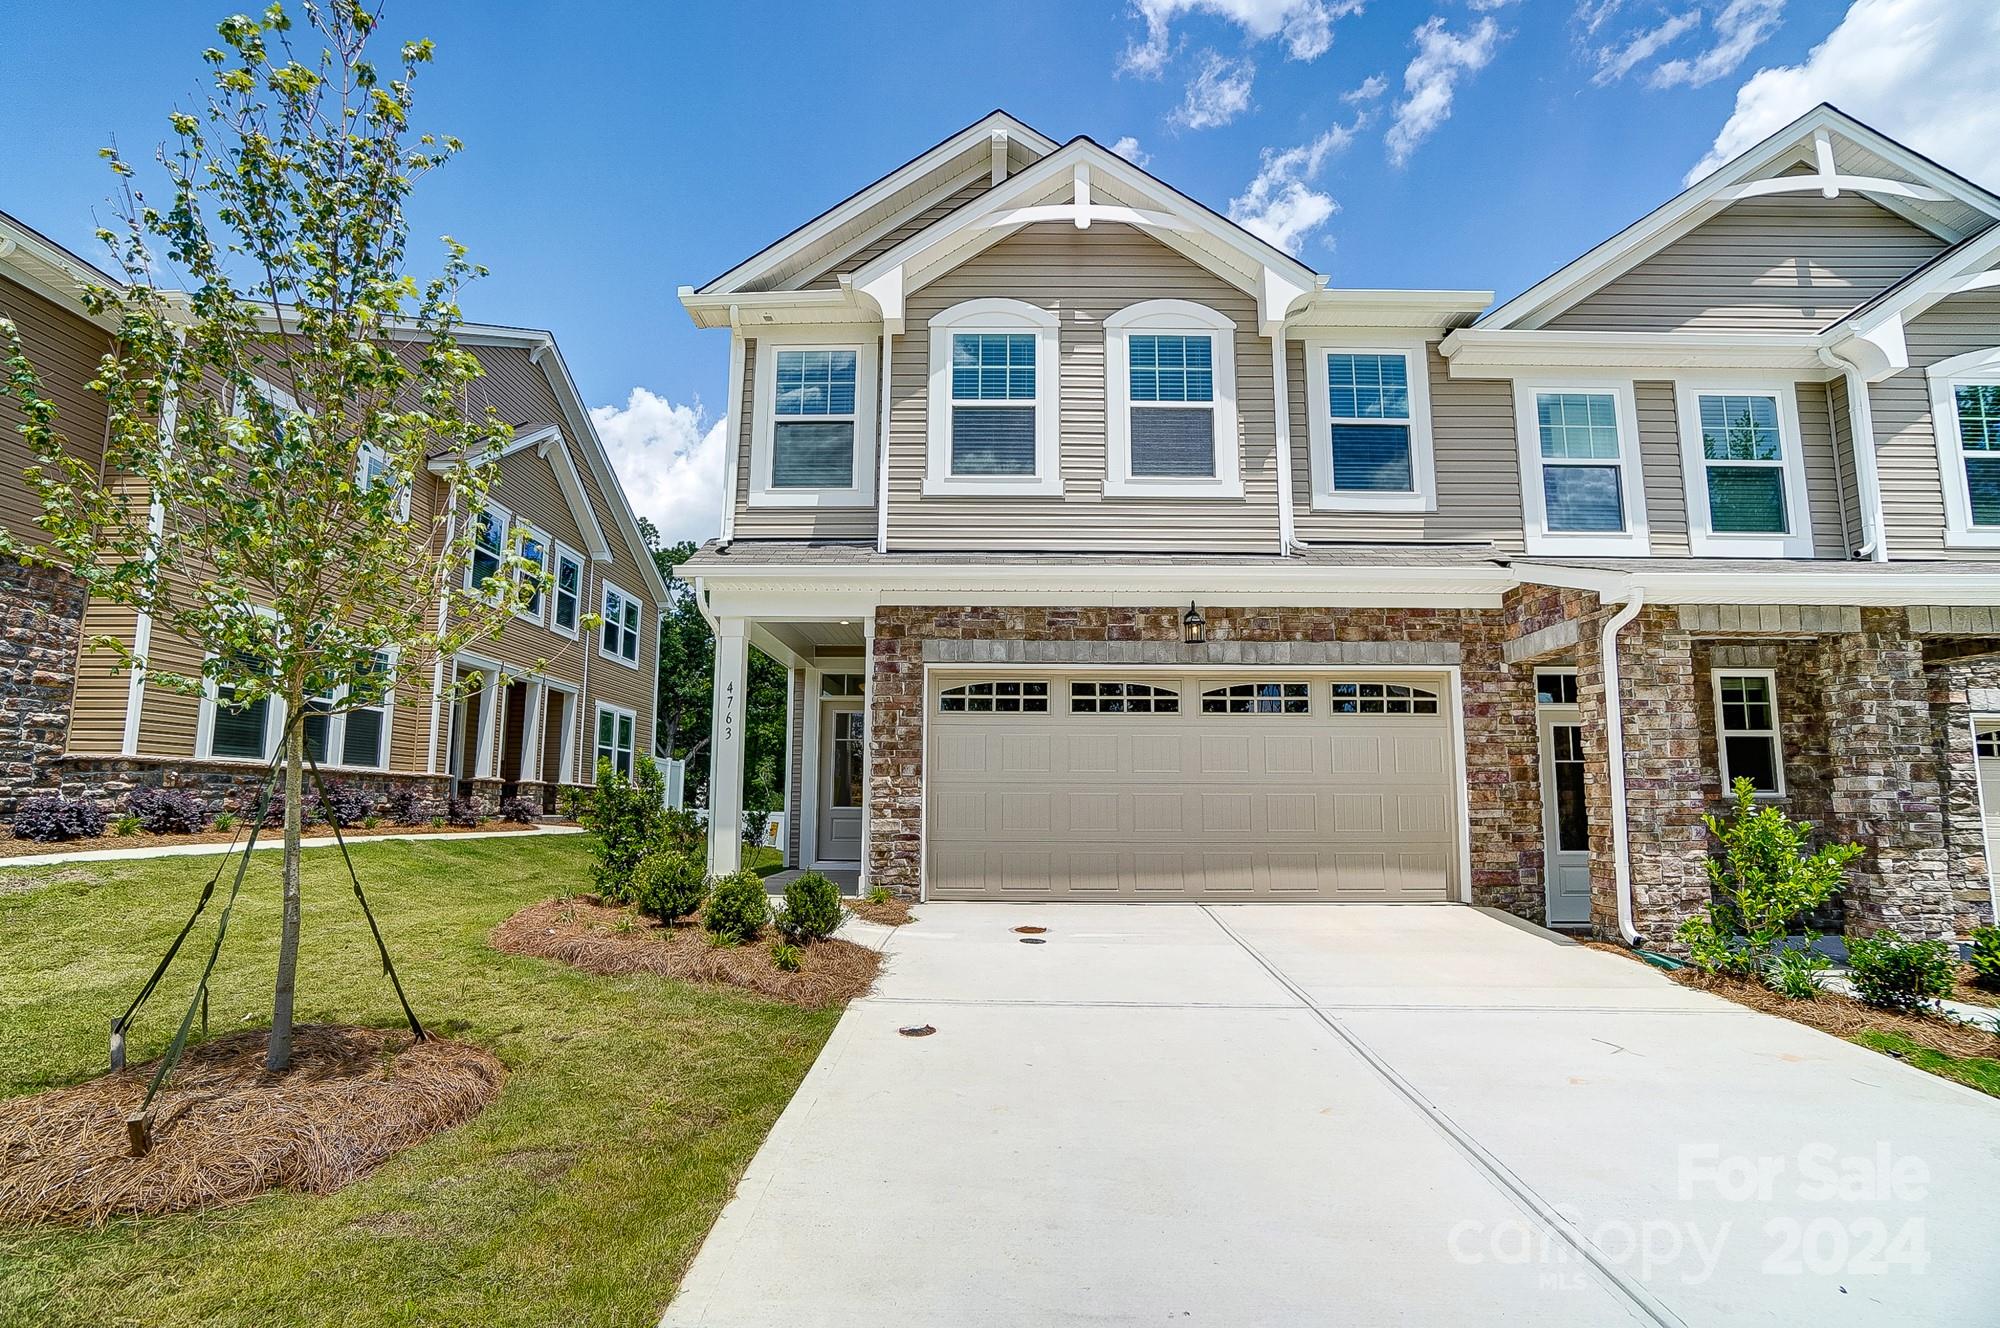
1115, 556
72, 720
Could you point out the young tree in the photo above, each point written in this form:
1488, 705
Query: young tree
270, 422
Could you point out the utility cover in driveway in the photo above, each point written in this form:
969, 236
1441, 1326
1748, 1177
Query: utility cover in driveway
1216, 787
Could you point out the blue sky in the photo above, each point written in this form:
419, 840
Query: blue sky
616, 152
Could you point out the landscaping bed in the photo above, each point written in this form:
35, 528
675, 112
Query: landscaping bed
1969, 990
1845, 1017
12, 846
224, 1129
612, 941
892, 911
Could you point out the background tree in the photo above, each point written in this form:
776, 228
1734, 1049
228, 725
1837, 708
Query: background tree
277, 413
687, 689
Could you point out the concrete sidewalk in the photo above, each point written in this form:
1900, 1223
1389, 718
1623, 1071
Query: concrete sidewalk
266, 841
1311, 1114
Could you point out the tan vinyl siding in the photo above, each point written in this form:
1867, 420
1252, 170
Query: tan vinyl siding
829, 523
1849, 521
1660, 457
1472, 443
1906, 441
65, 349
97, 708
1822, 477
1082, 276
167, 719
1788, 263
889, 239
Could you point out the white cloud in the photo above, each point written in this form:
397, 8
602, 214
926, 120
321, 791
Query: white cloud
1614, 62
1740, 28
1921, 71
1305, 25
1128, 148
1219, 93
1279, 204
1370, 88
1431, 81
1487, 6
669, 458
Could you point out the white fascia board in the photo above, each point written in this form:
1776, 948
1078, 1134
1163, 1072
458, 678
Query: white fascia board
1061, 165
52, 271
1880, 323
974, 137
1699, 201
1438, 310
751, 308
1479, 352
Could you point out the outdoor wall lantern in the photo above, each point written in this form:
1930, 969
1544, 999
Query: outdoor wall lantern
1194, 627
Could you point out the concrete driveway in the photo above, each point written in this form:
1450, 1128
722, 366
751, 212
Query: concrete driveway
1319, 1114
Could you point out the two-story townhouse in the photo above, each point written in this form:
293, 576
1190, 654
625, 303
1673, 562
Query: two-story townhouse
524, 713
1117, 556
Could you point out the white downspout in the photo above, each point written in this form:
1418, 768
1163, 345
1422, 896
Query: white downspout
882, 456
1861, 434
1281, 401
1614, 735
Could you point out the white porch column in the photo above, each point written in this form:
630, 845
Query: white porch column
867, 744
531, 733
725, 761
491, 710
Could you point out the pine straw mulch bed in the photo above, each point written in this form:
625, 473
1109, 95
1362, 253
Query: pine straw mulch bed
10, 847
890, 912
612, 942
1843, 1016
1969, 990
225, 1130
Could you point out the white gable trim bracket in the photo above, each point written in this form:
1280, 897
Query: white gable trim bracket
1082, 212
1874, 341
1828, 181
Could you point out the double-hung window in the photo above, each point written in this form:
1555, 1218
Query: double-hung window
490, 526
1745, 472
1368, 418
1582, 489
615, 728
993, 413
371, 467
342, 728
566, 591
244, 730
1965, 407
534, 551
813, 440
620, 638
1746, 730
1170, 402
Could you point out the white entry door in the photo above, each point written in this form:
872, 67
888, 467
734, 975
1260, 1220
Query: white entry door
1565, 827
842, 762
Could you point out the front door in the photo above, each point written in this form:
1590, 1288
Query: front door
842, 759
1565, 827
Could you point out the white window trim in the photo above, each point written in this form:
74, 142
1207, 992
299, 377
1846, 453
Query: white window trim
540, 615
1775, 732
1169, 317
361, 456
1979, 367
605, 589
506, 519
996, 315
1319, 429
204, 716
1703, 541
558, 551
763, 410
597, 723
336, 723
1635, 540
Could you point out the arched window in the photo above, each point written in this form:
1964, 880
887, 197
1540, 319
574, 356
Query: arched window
993, 400
1122, 698
1170, 401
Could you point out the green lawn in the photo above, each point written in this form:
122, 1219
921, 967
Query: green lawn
1978, 1072
632, 1105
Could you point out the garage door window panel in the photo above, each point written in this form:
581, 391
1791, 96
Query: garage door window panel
1128, 698
1006, 697
1257, 698
1383, 698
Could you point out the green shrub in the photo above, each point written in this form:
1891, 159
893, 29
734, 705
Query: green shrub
1763, 884
225, 821
878, 894
786, 956
1790, 973
1896, 974
669, 885
738, 909
812, 908
125, 825
1985, 957
626, 817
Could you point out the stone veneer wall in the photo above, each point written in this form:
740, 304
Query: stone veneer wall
1504, 787
224, 785
41, 615
1957, 692
1886, 791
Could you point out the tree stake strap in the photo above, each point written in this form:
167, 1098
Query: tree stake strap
388, 967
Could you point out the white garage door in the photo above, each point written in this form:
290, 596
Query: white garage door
1190, 787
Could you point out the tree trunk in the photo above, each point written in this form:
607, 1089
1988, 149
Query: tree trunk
278, 1052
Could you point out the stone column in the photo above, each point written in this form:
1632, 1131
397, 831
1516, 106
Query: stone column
1886, 792
1668, 844
725, 762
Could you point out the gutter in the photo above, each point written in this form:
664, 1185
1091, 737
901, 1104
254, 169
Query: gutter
1861, 436
1614, 735
1288, 537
